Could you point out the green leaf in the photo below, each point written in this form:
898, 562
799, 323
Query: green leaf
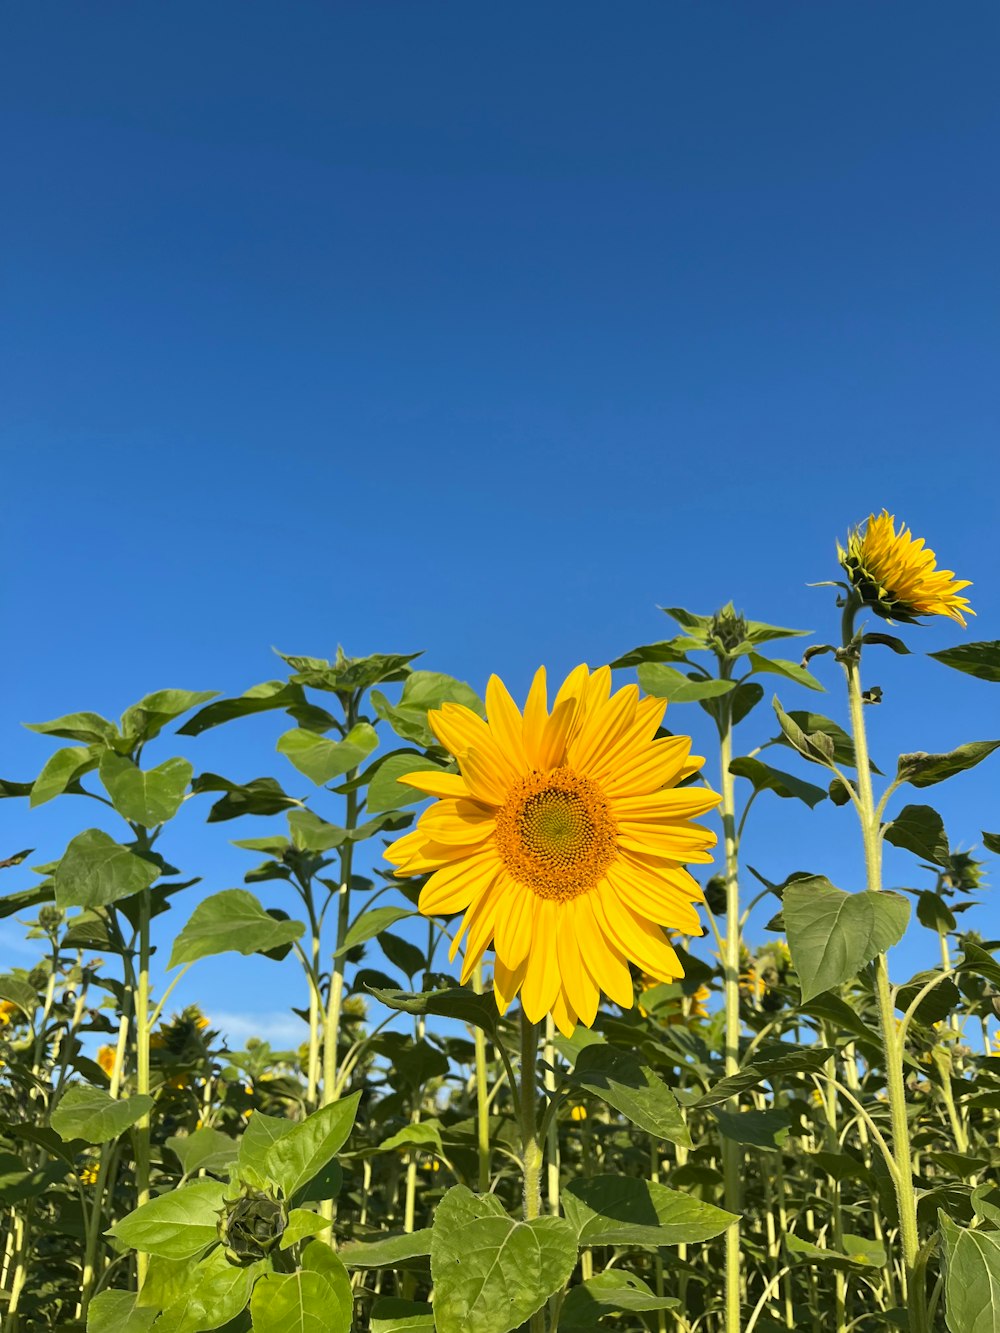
20, 993
93, 1115
423, 691
920, 829
390, 1314
777, 666
454, 1002
991, 841
667, 650
388, 1251
887, 641
610, 1293
146, 719
216, 1292
765, 778
115, 1312
832, 935
426, 1134
175, 1225
347, 674
621, 1210
232, 921
816, 737
310, 833
261, 1134
758, 632
972, 1278
302, 1223
369, 924
322, 760
294, 1303
981, 660
260, 796
263, 698
90, 728
64, 769
95, 871
664, 682
385, 792
743, 699
491, 1273
759, 1129
924, 770
205, 1149
295, 1158
631, 1088
146, 797
934, 913
858, 1252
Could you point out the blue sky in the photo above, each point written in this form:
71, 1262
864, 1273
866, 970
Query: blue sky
484, 332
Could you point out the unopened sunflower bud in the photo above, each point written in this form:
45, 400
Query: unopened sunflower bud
50, 918
251, 1226
729, 628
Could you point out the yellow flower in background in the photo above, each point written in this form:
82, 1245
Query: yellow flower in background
751, 983
897, 576
578, 1113
88, 1175
563, 839
8, 1012
106, 1059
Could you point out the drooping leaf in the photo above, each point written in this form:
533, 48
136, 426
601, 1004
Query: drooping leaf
93, 1115
631, 1088
664, 682
95, 871
115, 1312
454, 1002
920, 829
62, 771
816, 737
621, 1210
295, 1158
391, 1314
146, 719
263, 698
610, 1293
491, 1273
423, 691
89, 728
764, 778
147, 797
369, 924
759, 1129
387, 1251
972, 1277
302, 1223
924, 770
204, 1149
232, 921
832, 935
310, 833
777, 666
260, 796
215, 1293
347, 674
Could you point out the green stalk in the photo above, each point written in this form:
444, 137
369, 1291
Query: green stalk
531, 1147
552, 1133
482, 1096
141, 1131
731, 1151
891, 1045
833, 1143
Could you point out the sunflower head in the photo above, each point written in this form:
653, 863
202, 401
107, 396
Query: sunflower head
563, 839
106, 1056
729, 629
897, 576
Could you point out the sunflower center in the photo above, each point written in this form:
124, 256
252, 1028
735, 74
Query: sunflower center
556, 834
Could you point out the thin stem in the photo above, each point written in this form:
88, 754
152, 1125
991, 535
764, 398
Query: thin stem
531, 1146
142, 1028
731, 1151
482, 1097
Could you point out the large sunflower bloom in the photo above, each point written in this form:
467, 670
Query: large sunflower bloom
897, 576
562, 839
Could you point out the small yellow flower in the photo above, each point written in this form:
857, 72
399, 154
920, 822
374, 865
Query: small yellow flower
106, 1059
8, 1011
897, 576
578, 1113
88, 1175
751, 983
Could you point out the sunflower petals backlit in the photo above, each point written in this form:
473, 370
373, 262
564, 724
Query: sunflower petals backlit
897, 576
563, 840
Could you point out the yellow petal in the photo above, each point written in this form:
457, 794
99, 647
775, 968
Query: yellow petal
536, 714
563, 1015
459, 729
601, 957
505, 723
453, 888
541, 981
514, 924
652, 899
458, 821
656, 765
435, 783
580, 991
507, 982
486, 780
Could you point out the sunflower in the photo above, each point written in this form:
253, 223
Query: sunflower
562, 838
106, 1057
897, 576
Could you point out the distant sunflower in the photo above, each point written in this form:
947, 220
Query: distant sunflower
897, 576
563, 840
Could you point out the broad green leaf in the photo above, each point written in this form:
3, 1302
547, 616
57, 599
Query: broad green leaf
90, 728
743, 699
858, 1252
63, 770
454, 1002
146, 797
972, 1278
296, 1157
175, 1225
764, 778
934, 913
263, 698
426, 1134
758, 632
920, 829
760, 1129
260, 796
385, 792
991, 841
322, 760
696, 627
777, 666
631, 1088
924, 770
388, 1251
116, 1312
391, 1314
610, 1293
664, 682
369, 924
817, 737
216, 1293
423, 691
205, 1149
95, 871
261, 1134
981, 660
94, 1115
310, 833
302, 1223
232, 921
21, 993
491, 1273
832, 935
294, 1303
146, 719
667, 650
621, 1210
347, 674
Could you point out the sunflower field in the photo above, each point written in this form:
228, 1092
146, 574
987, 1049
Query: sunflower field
547, 1078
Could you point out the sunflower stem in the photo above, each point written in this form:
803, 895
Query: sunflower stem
482, 1095
531, 1144
914, 1292
731, 1151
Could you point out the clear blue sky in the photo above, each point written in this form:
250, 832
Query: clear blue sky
483, 330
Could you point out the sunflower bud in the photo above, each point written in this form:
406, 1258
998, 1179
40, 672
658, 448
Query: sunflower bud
729, 629
50, 918
251, 1226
